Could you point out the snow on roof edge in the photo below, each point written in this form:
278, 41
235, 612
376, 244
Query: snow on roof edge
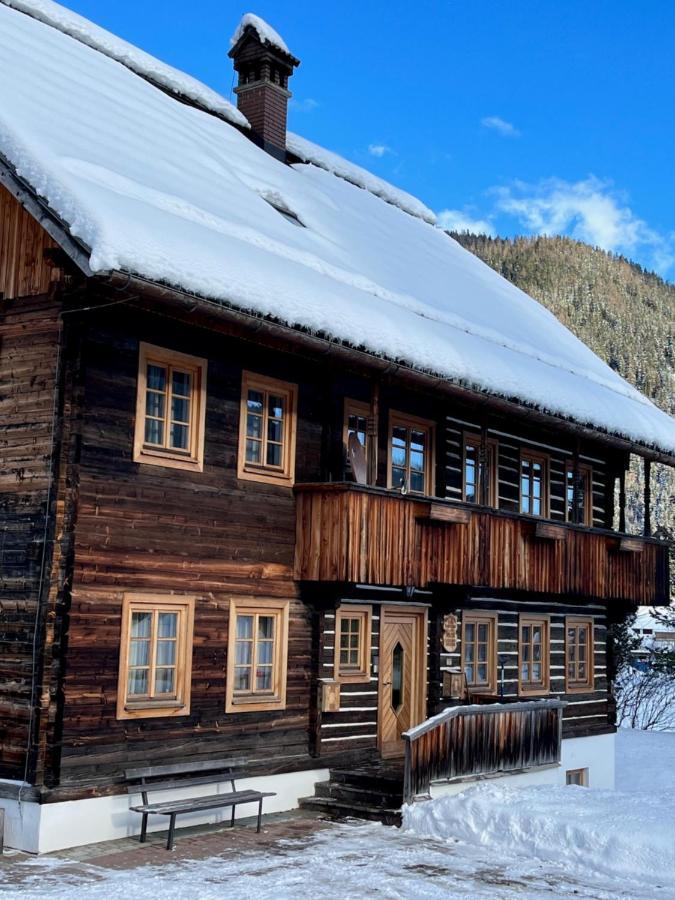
264, 30
138, 61
309, 152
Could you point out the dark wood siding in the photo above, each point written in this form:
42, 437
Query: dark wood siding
23, 269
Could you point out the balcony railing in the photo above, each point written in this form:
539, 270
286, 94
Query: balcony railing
481, 740
349, 533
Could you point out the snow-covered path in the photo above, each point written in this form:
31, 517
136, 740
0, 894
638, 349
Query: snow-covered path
365, 860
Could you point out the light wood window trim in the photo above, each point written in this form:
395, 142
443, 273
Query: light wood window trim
193, 457
492, 620
475, 441
583, 777
257, 702
545, 462
531, 688
586, 472
364, 615
573, 686
401, 419
285, 474
152, 708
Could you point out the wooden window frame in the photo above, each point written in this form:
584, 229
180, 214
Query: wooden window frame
475, 441
582, 775
153, 708
354, 408
544, 460
586, 472
259, 702
530, 688
365, 616
403, 420
285, 474
470, 617
193, 457
574, 686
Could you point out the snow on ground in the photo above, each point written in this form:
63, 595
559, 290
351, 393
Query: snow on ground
157, 188
628, 833
584, 843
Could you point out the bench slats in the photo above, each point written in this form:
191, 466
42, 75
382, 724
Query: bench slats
208, 765
195, 804
181, 783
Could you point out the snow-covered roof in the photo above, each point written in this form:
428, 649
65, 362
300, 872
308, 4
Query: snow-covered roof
169, 192
265, 32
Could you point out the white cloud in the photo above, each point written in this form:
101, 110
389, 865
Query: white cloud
501, 126
458, 220
379, 150
306, 105
590, 210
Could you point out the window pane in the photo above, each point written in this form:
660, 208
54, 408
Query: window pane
167, 624
397, 477
139, 653
253, 451
468, 670
245, 627
154, 431
164, 681
526, 634
344, 657
276, 407
243, 653
256, 402
482, 673
154, 404
181, 384
254, 426
469, 652
274, 454
354, 640
482, 632
418, 441
263, 679
275, 430
536, 671
179, 437
417, 461
265, 627
525, 671
482, 652
470, 631
417, 482
140, 624
138, 682
156, 377
166, 653
397, 456
242, 679
265, 652
399, 436
180, 409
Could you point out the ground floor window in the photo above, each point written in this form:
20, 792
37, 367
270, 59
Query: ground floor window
155, 656
257, 655
579, 653
577, 776
533, 651
479, 657
352, 643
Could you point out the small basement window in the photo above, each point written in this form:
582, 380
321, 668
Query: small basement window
577, 776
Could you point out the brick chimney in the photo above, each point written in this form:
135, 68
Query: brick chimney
264, 65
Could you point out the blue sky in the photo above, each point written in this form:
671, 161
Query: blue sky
512, 116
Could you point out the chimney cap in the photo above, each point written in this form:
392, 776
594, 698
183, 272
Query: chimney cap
250, 24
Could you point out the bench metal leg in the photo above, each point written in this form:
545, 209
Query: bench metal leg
172, 828
144, 828
232, 816
259, 814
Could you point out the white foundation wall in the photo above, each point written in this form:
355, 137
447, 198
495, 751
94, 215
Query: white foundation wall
43, 828
597, 754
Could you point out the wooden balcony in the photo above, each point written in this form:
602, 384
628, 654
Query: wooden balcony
363, 535
467, 741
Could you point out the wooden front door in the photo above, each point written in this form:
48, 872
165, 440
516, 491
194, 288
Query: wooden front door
402, 683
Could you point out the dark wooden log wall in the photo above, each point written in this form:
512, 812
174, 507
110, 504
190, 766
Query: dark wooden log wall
586, 713
24, 272
29, 336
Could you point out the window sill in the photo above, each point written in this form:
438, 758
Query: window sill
169, 460
257, 704
266, 476
579, 688
153, 710
352, 677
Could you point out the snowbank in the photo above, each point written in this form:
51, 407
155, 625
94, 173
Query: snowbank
266, 33
132, 57
331, 162
616, 833
162, 190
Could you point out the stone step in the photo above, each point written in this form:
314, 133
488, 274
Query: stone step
338, 809
361, 796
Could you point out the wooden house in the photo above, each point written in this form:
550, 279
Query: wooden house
285, 471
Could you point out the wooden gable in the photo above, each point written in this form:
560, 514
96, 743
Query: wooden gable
24, 270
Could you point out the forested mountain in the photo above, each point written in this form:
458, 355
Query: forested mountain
624, 313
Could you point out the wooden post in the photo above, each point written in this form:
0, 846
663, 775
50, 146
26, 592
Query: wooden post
648, 497
373, 432
622, 501
484, 475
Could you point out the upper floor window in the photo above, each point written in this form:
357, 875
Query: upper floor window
155, 656
170, 408
533, 644
257, 655
410, 454
473, 470
267, 430
582, 513
533, 484
352, 643
579, 653
479, 650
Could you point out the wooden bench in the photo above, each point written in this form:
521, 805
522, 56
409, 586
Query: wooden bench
166, 778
